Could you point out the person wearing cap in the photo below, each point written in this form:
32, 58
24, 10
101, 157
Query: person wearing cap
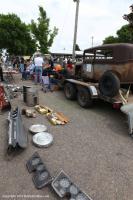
46, 80
39, 62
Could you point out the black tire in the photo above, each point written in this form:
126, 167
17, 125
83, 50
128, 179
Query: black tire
84, 98
131, 88
109, 84
70, 91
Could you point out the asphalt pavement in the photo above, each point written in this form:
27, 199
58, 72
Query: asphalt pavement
94, 149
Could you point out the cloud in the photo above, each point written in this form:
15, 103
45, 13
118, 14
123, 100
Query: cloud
96, 18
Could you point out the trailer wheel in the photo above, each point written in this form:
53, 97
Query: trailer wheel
84, 98
70, 91
109, 84
131, 88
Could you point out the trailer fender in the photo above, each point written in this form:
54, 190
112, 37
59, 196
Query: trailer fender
93, 91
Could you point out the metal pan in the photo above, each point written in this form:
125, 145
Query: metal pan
37, 128
43, 139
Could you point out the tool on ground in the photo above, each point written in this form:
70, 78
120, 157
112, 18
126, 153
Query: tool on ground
43, 109
13, 90
28, 112
64, 187
17, 136
57, 118
41, 176
62, 184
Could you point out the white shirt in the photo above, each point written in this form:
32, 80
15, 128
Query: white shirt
38, 61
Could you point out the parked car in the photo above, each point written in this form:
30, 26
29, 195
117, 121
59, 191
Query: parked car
111, 65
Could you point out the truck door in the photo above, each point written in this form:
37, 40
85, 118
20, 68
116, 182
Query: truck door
88, 70
88, 66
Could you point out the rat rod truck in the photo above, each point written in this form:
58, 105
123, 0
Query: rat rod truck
106, 73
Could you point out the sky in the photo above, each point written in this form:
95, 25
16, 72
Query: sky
97, 19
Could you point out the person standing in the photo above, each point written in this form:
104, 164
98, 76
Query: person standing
24, 70
51, 62
39, 62
32, 69
21, 66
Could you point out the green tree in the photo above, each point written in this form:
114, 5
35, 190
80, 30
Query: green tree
15, 36
124, 34
77, 47
129, 17
41, 32
110, 40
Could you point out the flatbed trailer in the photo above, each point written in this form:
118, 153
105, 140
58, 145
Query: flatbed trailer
87, 92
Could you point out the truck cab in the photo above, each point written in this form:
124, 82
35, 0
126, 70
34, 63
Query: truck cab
110, 65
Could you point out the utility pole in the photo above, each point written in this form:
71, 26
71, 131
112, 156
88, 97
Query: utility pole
92, 39
75, 28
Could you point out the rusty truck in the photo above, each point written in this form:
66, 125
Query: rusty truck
106, 73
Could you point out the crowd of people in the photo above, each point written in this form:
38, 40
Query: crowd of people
41, 70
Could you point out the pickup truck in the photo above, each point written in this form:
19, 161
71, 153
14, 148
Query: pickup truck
110, 65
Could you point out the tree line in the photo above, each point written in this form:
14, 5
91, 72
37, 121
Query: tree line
19, 38
125, 33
